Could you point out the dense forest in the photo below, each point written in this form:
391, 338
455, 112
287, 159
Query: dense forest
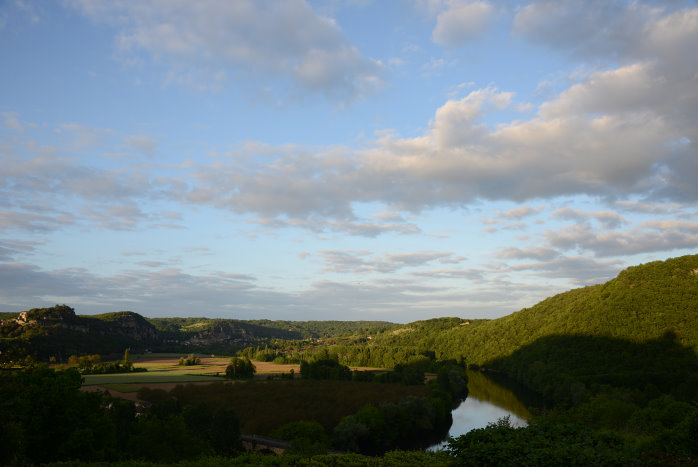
616, 366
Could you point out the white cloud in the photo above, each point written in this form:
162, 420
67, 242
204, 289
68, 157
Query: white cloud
629, 132
33, 222
208, 40
150, 290
351, 261
609, 219
649, 208
648, 237
467, 274
29, 10
632, 88
519, 212
455, 123
461, 22
578, 144
592, 28
11, 249
671, 225
143, 144
12, 121
81, 137
539, 253
580, 270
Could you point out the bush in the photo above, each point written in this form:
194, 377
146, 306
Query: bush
189, 360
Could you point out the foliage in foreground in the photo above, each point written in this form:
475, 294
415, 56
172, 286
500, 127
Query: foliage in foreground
662, 432
44, 407
45, 417
264, 406
389, 459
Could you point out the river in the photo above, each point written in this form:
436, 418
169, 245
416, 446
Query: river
487, 402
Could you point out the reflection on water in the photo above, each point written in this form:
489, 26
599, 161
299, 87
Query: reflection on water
475, 413
487, 390
486, 403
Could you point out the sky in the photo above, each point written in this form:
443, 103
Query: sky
340, 160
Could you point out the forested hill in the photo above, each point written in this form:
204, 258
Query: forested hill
643, 303
59, 332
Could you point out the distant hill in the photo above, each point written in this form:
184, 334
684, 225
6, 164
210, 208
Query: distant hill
59, 332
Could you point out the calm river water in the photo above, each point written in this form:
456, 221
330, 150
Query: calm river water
486, 403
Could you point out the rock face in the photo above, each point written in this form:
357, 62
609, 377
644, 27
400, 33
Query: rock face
223, 333
57, 314
125, 326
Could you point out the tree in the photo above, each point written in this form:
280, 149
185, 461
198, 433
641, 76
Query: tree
198, 419
49, 419
240, 368
325, 368
306, 438
127, 359
225, 432
165, 441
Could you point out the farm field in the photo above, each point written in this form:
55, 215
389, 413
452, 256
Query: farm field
164, 373
164, 368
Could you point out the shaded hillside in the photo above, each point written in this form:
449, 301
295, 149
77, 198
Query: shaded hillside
566, 368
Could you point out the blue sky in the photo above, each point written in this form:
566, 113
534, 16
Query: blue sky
387, 160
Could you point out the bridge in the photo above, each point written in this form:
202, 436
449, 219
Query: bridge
257, 443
